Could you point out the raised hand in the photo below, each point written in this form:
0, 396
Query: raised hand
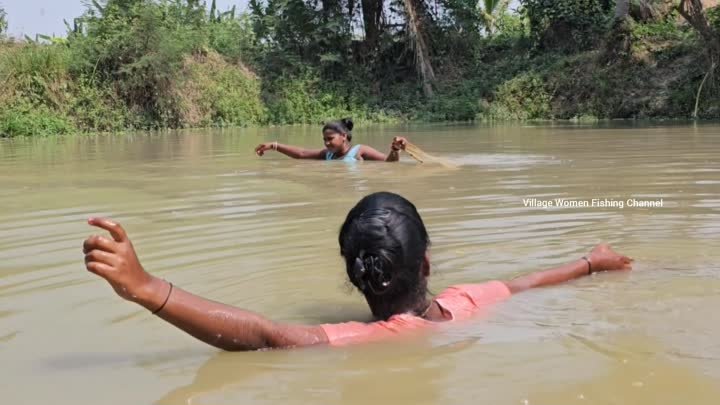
115, 260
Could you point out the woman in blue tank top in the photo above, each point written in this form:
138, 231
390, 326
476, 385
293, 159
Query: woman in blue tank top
337, 136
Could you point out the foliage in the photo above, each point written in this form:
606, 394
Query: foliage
3, 22
489, 11
97, 107
35, 73
213, 92
293, 32
140, 45
713, 16
232, 37
523, 97
666, 30
307, 99
566, 24
25, 119
132, 64
512, 26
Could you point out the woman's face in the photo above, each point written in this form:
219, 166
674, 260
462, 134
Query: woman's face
334, 141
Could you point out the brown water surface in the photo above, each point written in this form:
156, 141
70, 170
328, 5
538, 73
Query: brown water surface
261, 234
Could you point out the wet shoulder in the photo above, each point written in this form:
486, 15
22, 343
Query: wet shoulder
465, 300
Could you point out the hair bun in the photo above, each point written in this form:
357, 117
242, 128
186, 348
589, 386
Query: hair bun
359, 273
348, 122
368, 272
377, 278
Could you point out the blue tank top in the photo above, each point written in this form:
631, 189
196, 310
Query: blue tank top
349, 157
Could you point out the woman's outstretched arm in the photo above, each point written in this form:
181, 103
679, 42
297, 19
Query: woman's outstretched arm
370, 153
219, 325
291, 151
602, 258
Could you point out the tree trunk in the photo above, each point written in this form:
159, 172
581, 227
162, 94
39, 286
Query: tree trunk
692, 11
422, 52
372, 20
622, 9
351, 9
618, 43
651, 10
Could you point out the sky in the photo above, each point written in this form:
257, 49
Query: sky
30, 17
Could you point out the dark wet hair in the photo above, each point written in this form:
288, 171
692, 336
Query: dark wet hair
383, 242
343, 126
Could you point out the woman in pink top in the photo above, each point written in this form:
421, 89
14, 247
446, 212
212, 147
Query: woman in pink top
385, 246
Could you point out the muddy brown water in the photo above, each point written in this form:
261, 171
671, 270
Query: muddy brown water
261, 234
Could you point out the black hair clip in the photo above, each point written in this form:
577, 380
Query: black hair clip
359, 272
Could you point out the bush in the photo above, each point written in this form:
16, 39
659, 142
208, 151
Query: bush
212, 91
37, 74
306, 99
511, 26
522, 98
140, 47
713, 16
233, 38
566, 24
25, 119
456, 102
96, 107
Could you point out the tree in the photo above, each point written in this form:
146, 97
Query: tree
567, 25
213, 10
651, 10
296, 36
420, 47
619, 41
489, 11
3, 21
692, 11
622, 9
372, 12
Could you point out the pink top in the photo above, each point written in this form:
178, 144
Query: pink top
459, 302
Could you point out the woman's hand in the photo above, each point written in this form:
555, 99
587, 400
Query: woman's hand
116, 261
217, 324
603, 258
398, 143
260, 149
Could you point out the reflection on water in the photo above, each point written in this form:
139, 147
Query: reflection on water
206, 213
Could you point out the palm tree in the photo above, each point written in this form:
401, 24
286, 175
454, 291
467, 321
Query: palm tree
420, 47
489, 10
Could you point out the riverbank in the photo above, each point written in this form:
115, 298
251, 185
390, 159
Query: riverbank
100, 79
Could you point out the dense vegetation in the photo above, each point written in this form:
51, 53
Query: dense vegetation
128, 64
